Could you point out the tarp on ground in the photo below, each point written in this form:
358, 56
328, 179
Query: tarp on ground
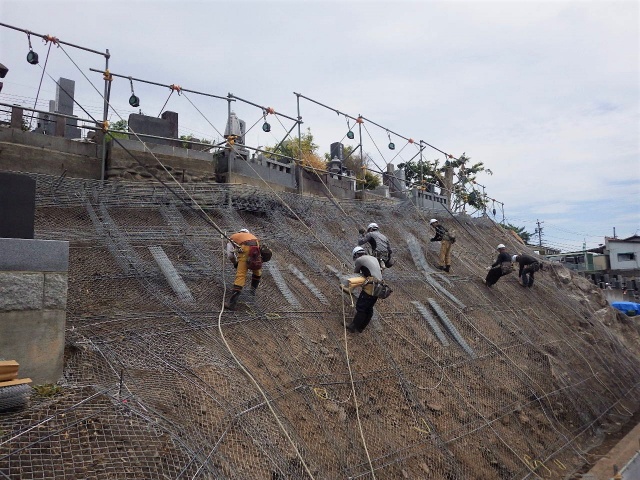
625, 307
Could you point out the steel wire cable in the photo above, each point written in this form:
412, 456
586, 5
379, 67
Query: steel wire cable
424, 219
191, 206
343, 305
595, 376
507, 356
353, 386
412, 401
51, 417
203, 115
286, 204
165, 103
40, 84
255, 382
584, 429
576, 351
344, 317
222, 233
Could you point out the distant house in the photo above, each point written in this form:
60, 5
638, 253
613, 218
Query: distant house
614, 265
581, 261
624, 254
544, 250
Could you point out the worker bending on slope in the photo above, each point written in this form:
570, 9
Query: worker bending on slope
368, 267
502, 266
379, 244
446, 240
528, 266
243, 250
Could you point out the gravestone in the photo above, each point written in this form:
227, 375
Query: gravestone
167, 127
17, 205
65, 91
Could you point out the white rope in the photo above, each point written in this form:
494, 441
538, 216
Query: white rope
245, 371
248, 374
353, 390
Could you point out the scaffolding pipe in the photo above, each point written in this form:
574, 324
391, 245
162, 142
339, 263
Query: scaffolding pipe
158, 84
325, 106
298, 168
46, 37
368, 120
107, 96
264, 109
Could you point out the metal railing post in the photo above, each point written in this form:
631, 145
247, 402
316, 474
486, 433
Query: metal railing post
105, 115
299, 167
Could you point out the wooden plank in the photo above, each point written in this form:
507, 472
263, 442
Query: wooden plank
19, 381
8, 370
8, 376
8, 362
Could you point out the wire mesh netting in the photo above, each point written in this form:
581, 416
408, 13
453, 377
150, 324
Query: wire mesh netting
451, 380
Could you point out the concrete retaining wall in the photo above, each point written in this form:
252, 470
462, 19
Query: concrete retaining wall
430, 200
281, 176
37, 153
33, 302
341, 188
186, 165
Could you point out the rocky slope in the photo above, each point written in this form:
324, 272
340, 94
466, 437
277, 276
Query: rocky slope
451, 380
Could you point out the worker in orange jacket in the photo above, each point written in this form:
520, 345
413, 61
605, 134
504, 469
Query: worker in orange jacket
243, 250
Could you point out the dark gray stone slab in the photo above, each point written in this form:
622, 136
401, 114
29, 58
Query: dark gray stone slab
26, 255
65, 92
17, 205
159, 127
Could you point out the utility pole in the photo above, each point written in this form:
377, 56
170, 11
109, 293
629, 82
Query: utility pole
539, 232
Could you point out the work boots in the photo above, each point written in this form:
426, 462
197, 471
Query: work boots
233, 300
254, 285
446, 268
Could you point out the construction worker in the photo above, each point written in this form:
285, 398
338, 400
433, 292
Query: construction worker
369, 267
500, 267
528, 266
446, 241
379, 245
243, 250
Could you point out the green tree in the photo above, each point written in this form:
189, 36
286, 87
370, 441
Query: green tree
455, 176
371, 180
119, 126
188, 139
524, 235
305, 150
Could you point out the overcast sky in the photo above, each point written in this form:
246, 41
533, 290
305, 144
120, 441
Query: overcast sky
545, 94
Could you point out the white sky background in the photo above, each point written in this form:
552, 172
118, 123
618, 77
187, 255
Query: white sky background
546, 94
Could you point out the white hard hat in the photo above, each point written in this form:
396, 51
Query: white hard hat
500, 246
244, 230
514, 258
433, 220
372, 226
356, 251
